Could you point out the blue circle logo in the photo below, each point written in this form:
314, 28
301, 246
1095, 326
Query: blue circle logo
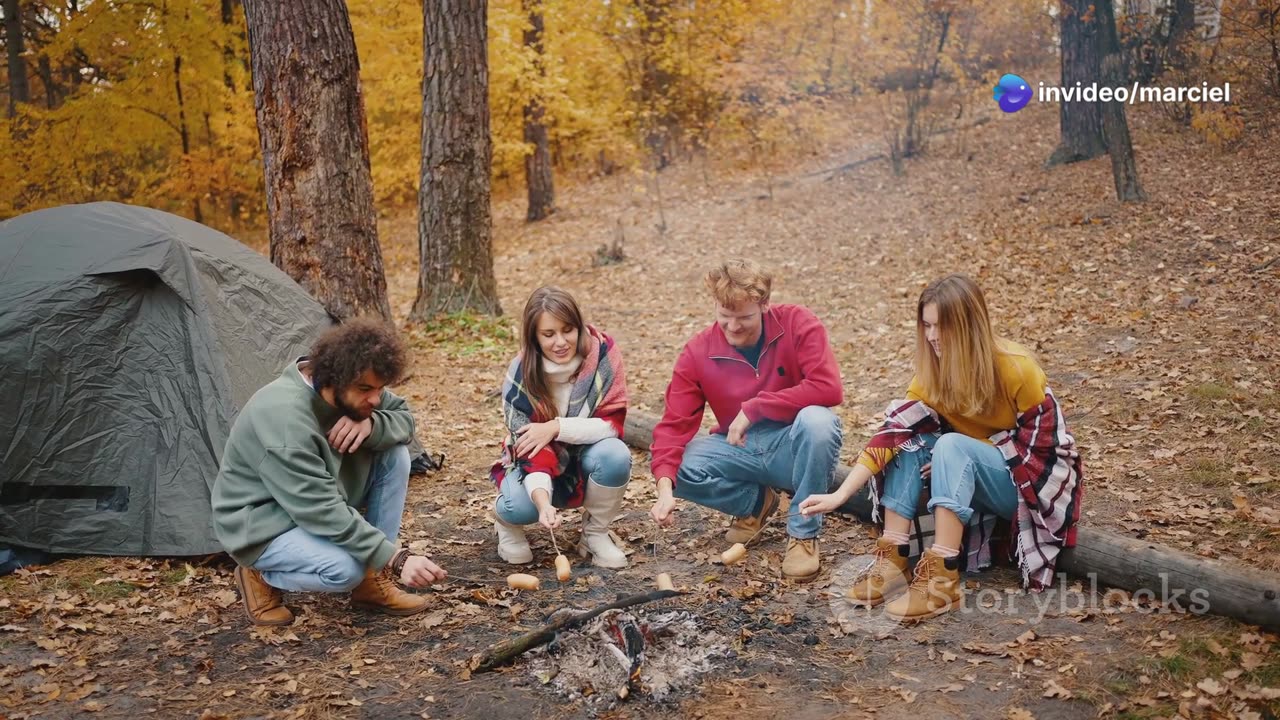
1012, 93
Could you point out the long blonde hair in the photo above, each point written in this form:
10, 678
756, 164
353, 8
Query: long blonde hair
564, 308
965, 379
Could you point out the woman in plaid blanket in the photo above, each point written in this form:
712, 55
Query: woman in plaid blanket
982, 430
564, 400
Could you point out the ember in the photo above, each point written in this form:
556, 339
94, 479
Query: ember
621, 654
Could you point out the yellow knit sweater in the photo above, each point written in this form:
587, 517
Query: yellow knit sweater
1022, 387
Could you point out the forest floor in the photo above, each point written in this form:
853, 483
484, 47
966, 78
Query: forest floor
1156, 323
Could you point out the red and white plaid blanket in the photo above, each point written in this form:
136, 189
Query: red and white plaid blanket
1043, 464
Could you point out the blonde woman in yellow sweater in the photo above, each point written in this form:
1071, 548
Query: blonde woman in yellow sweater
982, 430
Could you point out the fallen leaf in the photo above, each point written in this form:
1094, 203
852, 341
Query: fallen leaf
953, 687
1053, 690
1211, 686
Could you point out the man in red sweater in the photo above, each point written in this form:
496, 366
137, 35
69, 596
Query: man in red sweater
771, 378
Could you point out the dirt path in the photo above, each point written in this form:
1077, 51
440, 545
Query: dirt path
1153, 322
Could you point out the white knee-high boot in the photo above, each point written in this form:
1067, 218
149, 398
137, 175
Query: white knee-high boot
600, 506
513, 546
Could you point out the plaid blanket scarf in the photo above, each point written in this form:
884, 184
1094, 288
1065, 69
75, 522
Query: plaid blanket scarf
599, 391
1043, 464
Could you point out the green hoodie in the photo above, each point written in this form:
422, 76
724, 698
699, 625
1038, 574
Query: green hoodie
279, 472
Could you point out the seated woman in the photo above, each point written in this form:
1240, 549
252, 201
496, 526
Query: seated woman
982, 427
564, 401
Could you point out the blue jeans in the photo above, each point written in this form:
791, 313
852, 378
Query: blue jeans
798, 458
607, 462
967, 475
298, 561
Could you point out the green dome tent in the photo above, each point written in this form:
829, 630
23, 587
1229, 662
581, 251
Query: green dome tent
129, 339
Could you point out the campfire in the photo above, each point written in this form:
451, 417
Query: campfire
620, 654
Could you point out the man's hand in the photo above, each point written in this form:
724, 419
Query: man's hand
347, 435
535, 436
419, 572
738, 430
663, 511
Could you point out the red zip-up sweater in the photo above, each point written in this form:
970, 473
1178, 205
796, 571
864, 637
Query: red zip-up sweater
797, 368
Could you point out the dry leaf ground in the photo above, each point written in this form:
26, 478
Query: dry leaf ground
1155, 322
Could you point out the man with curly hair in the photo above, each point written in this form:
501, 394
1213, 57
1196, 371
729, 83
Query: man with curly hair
305, 453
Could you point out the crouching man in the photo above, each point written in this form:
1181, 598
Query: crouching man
306, 452
770, 377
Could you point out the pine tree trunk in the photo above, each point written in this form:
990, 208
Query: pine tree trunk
537, 164
19, 89
455, 229
1124, 168
315, 151
1080, 122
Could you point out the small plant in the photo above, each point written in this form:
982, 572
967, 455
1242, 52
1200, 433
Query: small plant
466, 333
611, 253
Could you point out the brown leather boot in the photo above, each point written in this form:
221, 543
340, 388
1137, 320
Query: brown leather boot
262, 603
745, 528
886, 576
935, 589
802, 562
379, 592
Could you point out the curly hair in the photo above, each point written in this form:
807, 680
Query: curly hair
343, 353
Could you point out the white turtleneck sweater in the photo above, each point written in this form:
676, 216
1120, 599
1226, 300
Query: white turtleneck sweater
573, 430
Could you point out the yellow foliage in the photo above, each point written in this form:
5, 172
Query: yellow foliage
746, 81
1222, 127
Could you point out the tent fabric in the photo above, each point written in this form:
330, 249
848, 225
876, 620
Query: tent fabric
129, 339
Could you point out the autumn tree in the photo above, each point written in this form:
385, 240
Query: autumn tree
537, 164
315, 152
1080, 122
19, 90
1115, 127
454, 223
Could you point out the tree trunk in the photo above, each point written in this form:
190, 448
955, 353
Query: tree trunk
537, 164
1114, 126
1080, 122
52, 91
196, 213
455, 229
315, 152
19, 90
659, 126
1182, 32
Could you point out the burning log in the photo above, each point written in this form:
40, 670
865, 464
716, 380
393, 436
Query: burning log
508, 650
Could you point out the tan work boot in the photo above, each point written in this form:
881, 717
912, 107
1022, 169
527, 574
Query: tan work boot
935, 589
745, 528
263, 603
378, 591
886, 576
801, 562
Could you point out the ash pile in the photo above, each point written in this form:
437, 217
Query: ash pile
622, 656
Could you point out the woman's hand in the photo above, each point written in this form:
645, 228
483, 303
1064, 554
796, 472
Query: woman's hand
822, 504
926, 472
532, 438
548, 517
